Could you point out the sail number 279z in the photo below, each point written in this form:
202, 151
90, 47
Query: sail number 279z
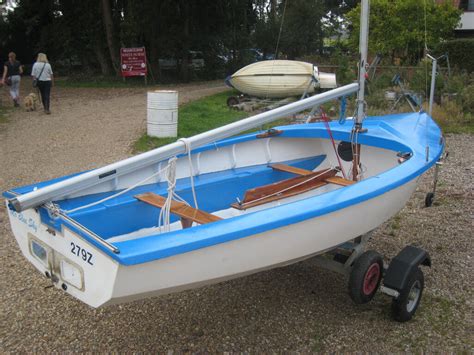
82, 253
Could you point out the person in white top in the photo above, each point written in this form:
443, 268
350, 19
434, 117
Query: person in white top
43, 74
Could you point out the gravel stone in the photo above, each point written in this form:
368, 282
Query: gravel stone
295, 308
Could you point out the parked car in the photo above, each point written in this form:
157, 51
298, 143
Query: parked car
168, 63
195, 61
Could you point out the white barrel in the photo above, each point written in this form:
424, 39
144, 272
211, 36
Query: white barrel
162, 113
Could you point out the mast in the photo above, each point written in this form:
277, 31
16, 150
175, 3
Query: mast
363, 49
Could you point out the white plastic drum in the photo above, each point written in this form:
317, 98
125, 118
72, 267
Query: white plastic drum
162, 113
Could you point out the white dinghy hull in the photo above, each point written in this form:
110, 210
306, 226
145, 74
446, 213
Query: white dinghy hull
108, 282
280, 79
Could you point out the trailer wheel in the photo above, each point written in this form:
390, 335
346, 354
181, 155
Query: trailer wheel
406, 304
365, 277
231, 101
429, 199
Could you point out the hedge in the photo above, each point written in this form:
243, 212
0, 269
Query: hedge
460, 51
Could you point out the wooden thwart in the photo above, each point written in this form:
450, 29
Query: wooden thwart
298, 171
187, 213
290, 169
283, 189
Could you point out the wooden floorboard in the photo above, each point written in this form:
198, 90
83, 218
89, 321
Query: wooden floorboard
298, 171
294, 186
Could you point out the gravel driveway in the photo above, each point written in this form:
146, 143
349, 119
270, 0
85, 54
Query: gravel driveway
298, 307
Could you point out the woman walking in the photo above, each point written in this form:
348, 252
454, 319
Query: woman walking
43, 75
11, 76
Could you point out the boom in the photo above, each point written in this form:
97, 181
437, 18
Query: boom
74, 184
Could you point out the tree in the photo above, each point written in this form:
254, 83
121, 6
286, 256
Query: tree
86, 35
397, 28
302, 31
110, 33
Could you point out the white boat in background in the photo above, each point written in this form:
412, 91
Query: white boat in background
280, 79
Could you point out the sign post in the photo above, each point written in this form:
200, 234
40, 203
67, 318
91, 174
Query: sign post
133, 62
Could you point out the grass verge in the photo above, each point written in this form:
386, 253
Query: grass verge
196, 117
452, 120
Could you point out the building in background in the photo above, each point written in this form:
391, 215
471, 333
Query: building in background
466, 27
467, 19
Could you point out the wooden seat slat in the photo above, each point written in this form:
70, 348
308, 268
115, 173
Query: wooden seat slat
187, 213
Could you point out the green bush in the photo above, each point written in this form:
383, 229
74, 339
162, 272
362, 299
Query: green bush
460, 53
467, 99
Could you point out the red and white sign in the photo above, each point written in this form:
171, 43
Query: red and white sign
133, 61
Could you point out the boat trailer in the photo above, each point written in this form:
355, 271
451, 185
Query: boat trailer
402, 278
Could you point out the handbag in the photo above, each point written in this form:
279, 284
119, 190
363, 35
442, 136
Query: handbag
35, 81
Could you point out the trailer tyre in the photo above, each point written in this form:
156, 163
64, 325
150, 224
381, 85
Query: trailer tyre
365, 277
406, 304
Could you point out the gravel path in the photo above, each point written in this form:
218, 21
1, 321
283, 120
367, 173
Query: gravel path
298, 307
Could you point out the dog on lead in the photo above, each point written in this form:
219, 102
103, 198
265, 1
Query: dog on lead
31, 102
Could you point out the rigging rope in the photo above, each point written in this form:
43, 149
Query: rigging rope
164, 217
426, 83
426, 52
281, 28
165, 212
187, 144
355, 154
141, 182
277, 45
328, 128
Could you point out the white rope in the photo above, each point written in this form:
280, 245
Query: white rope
165, 212
117, 194
288, 188
187, 144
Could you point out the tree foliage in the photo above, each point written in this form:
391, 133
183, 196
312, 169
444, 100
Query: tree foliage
460, 53
397, 28
86, 35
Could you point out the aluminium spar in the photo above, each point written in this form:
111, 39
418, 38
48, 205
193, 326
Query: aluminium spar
112, 171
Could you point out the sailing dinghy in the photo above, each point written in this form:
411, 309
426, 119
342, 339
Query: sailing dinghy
280, 79
264, 200
216, 206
